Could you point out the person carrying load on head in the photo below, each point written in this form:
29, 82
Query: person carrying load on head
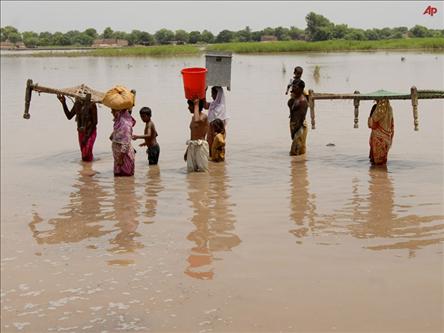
121, 102
197, 152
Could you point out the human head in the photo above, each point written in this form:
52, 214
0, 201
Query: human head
191, 105
218, 126
298, 72
145, 113
214, 91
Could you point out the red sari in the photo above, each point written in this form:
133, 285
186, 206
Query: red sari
382, 125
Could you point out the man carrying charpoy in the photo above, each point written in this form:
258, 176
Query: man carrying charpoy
86, 119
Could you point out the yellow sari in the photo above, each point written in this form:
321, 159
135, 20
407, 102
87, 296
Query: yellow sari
382, 125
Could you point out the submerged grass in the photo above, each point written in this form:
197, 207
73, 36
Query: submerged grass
436, 43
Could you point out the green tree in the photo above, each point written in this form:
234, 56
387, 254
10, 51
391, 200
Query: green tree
371, 34
282, 33
194, 37
107, 33
45, 38
355, 34
296, 33
120, 35
146, 38
339, 31
9, 32
318, 27
91, 32
420, 31
207, 37
256, 36
60, 39
163, 36
181, 36
30, 39
268, 31
225, 36
244, 35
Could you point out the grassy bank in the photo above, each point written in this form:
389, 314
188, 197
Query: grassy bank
254, 47
151, 51
330, 46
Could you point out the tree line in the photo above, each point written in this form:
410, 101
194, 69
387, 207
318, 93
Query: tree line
318, 28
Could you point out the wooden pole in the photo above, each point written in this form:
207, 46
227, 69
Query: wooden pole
414, 96
311, 105
28, 94
356, 104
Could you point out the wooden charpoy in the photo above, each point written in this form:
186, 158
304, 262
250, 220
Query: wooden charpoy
414, 96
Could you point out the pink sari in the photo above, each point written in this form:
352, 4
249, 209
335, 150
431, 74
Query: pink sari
382, 125
87, 148
123, 151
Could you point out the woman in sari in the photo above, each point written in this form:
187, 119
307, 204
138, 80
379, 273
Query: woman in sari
123, 151
382, 125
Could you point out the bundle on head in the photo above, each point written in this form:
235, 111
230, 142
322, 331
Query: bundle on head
119, 98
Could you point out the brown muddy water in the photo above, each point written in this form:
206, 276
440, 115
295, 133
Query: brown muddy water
263, 243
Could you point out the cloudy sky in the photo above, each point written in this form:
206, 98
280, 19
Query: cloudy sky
214, 16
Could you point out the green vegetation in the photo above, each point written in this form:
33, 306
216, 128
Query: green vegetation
154, 51
319, 28
329, 46
250, 47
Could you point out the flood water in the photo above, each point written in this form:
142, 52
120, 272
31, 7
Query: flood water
265, 242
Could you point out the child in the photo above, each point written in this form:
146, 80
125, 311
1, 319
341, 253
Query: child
149, 136
297, 76
218, 145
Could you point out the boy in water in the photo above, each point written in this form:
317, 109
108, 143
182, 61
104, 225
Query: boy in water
218, 145
297, 76
150, 134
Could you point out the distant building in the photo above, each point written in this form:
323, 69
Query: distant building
268, 38
110, 42
7, 45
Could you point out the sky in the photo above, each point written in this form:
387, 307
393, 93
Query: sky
214, 16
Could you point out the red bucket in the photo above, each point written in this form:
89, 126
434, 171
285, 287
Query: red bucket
194, 82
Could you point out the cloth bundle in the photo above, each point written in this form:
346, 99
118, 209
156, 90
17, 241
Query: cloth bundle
119, 98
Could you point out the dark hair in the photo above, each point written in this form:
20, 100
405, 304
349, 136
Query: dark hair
191, 104
298, 68
145, 111
218, 125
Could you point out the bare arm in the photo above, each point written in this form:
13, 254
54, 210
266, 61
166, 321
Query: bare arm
69, 114
196, 116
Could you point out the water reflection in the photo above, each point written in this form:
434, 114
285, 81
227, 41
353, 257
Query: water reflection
302, 206
152, 189
213, 219
80, 218
370, 215
381, 223
125, 208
